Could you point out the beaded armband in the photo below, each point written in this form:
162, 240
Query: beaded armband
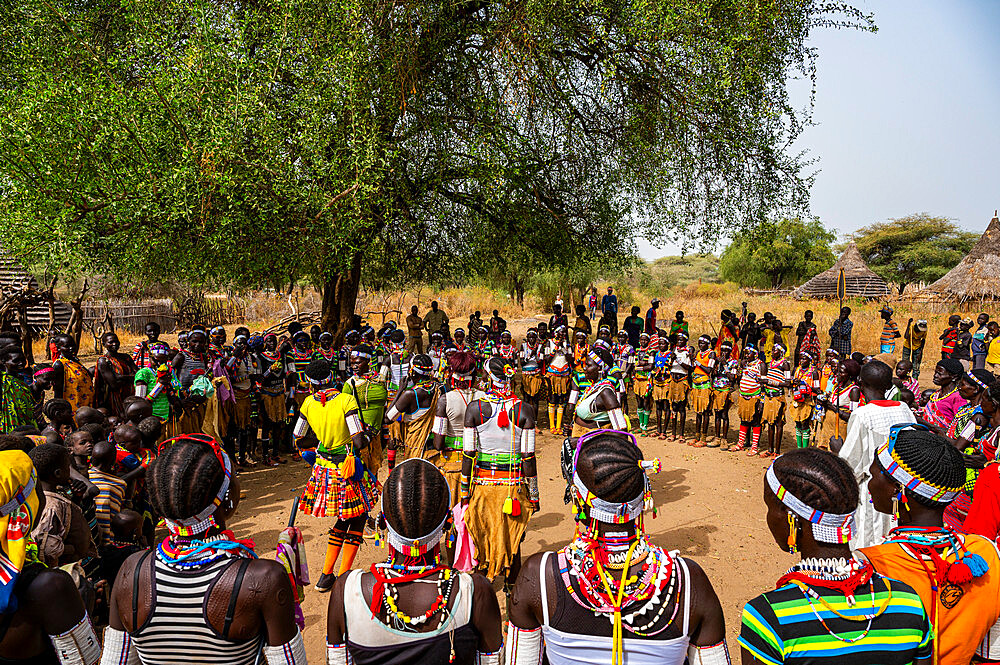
533, 489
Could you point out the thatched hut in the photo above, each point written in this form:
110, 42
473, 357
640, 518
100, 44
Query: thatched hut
976, 278
861, 282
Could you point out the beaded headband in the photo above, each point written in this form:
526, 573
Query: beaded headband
321, 382
608, 328
421, 544
827, 527
459, 330
20, 497
217, 329
705, 337
644, 334
611, 512
833, 352
42, 372
203, 521
360, 354
972, 377
896, 468
597, 359
160, 345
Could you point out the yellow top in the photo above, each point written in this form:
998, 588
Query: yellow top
329, 421
993, 353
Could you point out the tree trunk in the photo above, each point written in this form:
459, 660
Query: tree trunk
340, 296
902, 287
26, 340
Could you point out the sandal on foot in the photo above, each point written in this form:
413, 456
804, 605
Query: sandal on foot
753, 452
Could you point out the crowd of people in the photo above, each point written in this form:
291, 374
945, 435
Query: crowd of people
118, 480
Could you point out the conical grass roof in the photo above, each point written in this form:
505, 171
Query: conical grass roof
976, 277
861, 281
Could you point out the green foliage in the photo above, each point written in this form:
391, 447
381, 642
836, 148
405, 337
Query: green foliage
915, 248
778, 254
260, 143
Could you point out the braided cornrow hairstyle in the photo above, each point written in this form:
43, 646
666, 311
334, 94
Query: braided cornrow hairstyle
609, 466
819, 478
54, 405
931, 458
184, 479
462, 362
415, 498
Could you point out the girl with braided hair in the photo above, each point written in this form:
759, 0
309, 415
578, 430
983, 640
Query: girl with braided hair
411, 416
449, 417
340, 485
412, 608
829, 607
169, 604
914, 476
611, 596
499, 482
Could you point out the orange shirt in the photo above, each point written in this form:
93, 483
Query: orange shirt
964, 614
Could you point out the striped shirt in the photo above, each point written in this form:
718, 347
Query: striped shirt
889, 330
177, 630
109, 499
780, 626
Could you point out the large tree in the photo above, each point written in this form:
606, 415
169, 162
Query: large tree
915, 248
261, 141
778, 254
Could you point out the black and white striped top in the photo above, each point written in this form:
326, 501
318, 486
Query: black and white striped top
177, 631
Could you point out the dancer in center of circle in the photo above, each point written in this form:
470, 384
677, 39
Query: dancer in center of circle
413, 608
411, 416
449, 418
340, 486
499, 481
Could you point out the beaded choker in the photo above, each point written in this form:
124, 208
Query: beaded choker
193, 552
827, 527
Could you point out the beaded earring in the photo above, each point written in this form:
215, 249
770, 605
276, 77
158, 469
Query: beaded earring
900, 497
792, 533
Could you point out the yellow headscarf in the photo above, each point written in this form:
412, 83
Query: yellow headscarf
18, 511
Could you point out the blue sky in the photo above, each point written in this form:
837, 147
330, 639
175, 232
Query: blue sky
908, 118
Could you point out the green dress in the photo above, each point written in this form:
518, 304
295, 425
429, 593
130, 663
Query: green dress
17, 404
372, 394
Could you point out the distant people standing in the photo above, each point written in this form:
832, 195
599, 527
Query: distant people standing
592, 303
436, 320
750, 332
979, 346
651, 316
963, 344
558, 318
634, 326
913, 344
582, 324
949, 336
497, 325
678, 325
890, 331
609, 308
414, 332
840, 333
802, 331
993, 343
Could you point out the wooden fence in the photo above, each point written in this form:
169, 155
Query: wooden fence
130, 315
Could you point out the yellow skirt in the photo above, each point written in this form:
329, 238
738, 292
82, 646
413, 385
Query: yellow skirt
832, 426
641, 386
661, 389
532, 384
700, 399
241, 410
799, 411
678, 390
722, 398
747, 408
774, 408
497, 536
558, 385
274, 407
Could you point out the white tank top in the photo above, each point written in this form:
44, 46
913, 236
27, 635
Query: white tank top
369, 631
495, 439
456, 402
563, 648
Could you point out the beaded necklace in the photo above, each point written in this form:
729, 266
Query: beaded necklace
195, 552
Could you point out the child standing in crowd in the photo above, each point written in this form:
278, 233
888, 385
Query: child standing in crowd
979, 341
949, 336
913, 344
890, 331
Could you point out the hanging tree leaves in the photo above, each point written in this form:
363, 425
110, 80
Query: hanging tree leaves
255, 141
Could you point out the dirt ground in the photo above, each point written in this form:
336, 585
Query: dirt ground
710, 509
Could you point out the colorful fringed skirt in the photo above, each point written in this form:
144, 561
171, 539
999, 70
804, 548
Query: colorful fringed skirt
661, 389
800, 411
678, 390
558, 385
327, 494
641, 386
